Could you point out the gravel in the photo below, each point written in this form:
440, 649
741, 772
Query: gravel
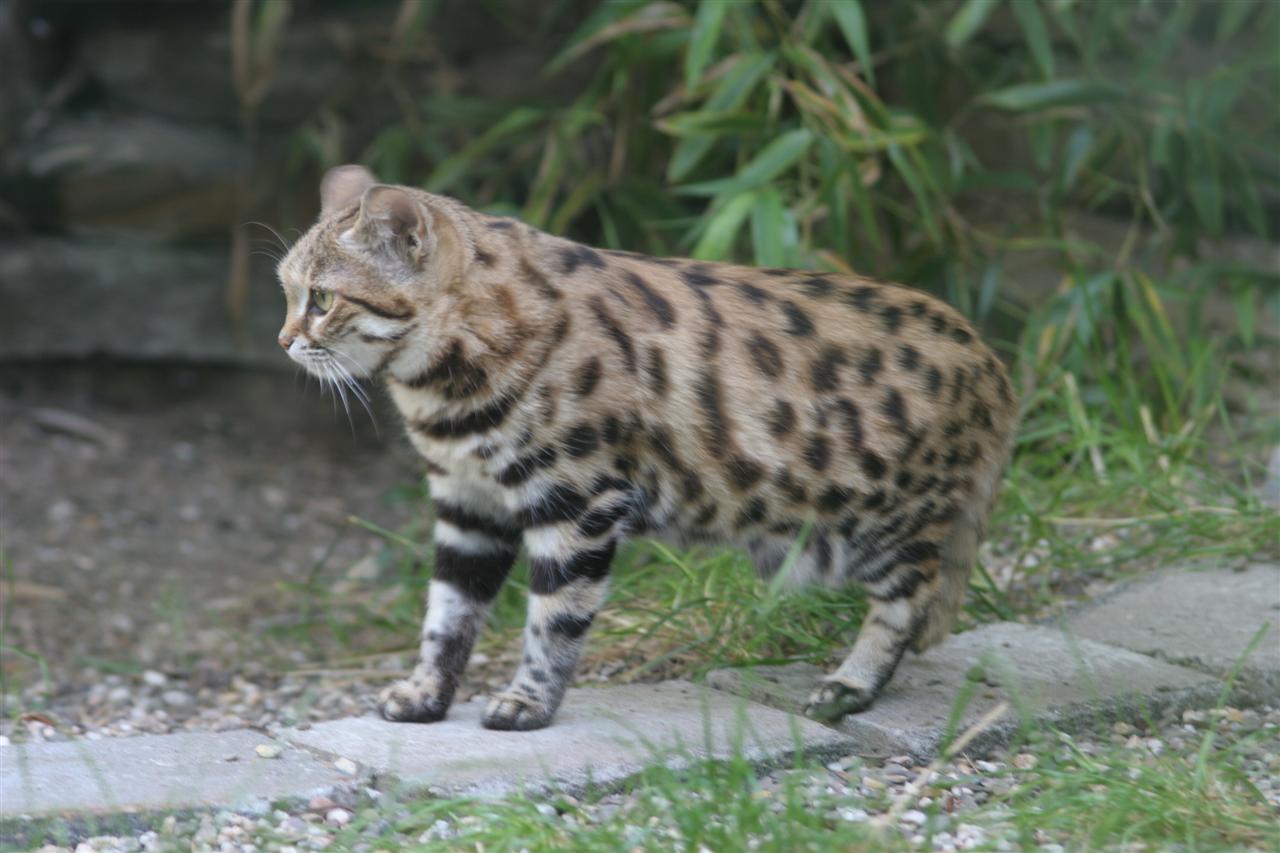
967, 792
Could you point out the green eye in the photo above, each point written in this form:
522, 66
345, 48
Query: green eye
322, 299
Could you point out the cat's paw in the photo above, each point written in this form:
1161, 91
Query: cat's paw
516, 712
832, 699
410, 701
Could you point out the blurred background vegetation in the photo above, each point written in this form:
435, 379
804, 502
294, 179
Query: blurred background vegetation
1095, 182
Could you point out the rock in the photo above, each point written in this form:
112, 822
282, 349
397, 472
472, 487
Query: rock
600, 736
337, 817
342, 765
1042, 671
1200, 618
155, 773
140, 174
268, 750
84, 298
151, 678
177, 698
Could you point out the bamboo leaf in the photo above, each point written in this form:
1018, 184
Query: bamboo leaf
1074, 154
702, 40
767, 229
722, 227
711, 122
967, 21
1036, 33
736, 86
609, 25
1025, 97
775, 158
454, 167
853, 24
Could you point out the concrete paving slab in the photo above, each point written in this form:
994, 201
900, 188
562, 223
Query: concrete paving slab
1048, 676
157, 772
600, 736
1200, 618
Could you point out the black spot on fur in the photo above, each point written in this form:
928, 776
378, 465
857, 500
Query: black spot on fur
933, 376
743, 473
611, 327
861, 298
601, 520
657, 304
705, 516
766, 355
826, 368
571, 257
800, 324
870, 364
895, 407
818, 286
586, 376
790, 487
656, 367
938, 323
524, 467
961, 336
570, 625
817, 452
699, 275
852, 417
477, 576
782, 419
757, 295
708, 392
833, 498
891, 316
581, 441
908, 357
753, 513
560, 503
465, 519
872, 465
548, 576
612, 430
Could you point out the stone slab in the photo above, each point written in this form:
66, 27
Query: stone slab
156, 772
1045, 674
600, 736
1200, 618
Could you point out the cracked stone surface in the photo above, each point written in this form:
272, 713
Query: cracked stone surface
600, 736
158, 772
1201, 618
1046, 675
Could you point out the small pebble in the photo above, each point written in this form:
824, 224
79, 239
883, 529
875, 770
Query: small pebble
268, 750
337, 817
345, 765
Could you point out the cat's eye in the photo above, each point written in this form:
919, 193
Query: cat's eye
322, 300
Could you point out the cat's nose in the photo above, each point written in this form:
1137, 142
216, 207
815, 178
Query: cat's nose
286, 340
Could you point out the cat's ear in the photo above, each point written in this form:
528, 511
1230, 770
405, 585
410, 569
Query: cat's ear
392, 219
342, 186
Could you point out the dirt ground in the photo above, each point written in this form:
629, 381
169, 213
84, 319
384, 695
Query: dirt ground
149, 517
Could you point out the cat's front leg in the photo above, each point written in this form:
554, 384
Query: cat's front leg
474, 553
568, 579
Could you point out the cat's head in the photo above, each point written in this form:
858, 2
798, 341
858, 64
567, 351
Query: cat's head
369, 274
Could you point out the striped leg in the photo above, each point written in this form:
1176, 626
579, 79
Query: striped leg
568, 582
900, 594
473, 555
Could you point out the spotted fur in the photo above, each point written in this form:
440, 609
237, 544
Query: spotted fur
564, 398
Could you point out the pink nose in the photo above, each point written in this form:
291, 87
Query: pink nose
285, 340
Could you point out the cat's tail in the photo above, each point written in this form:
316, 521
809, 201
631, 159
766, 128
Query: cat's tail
959, 552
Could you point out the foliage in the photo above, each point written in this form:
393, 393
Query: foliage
880, 137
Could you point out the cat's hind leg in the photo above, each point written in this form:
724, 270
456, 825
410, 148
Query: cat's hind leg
901, 589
